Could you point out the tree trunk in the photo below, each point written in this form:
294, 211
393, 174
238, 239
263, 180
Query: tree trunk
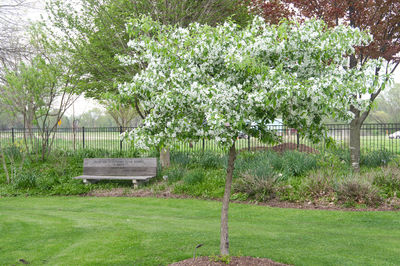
355, 149
3, 160
165, 158
224, 244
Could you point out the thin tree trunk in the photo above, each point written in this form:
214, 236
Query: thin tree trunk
224, 244
3, 159
355, 149
165, 158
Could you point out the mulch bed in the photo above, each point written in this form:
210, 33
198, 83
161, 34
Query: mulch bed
145, 193
285, 147
235, 261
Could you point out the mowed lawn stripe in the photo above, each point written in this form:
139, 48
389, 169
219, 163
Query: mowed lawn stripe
148, 231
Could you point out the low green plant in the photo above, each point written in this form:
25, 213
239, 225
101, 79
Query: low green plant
295, 163
259, 164
212, 185
209, 160
220, 258
194, 176
179, 158
376, 158
24, 180
174, 173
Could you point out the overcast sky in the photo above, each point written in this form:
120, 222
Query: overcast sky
83, 105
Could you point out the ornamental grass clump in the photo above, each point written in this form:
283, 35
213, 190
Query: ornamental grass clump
355, 189
388, 181
376, 158
295, 163
259, 189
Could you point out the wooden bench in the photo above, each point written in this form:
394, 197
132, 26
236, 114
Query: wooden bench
136, 169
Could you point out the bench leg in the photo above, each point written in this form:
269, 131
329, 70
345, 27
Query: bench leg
90, 181
137, 183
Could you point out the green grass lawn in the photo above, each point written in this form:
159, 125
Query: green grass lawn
147, 231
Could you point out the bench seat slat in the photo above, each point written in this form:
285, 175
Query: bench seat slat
114, 177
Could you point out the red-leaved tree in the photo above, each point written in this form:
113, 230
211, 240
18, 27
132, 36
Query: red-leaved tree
380, 17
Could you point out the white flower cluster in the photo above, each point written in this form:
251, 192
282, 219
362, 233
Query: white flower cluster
215, 82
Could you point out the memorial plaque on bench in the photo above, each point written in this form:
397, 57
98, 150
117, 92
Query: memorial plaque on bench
135, 169
120, 167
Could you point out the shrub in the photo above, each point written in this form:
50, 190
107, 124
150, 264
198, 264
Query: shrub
357, 190
256, 188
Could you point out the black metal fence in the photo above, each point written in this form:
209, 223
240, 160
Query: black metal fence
373, 137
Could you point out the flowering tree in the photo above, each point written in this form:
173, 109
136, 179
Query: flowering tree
215, 82
380, 17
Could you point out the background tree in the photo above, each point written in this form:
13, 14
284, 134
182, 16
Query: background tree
40, 90
380, 17
387, 107
96, 34
96, 118
209, 82
121, 110
13, 45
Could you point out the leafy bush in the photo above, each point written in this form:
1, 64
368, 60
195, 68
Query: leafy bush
357, 190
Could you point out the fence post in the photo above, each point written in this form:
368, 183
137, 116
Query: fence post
120, 142
204, 143
83, 137
248, 142
12, 135
298, 139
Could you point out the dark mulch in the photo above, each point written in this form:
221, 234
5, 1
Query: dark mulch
285, 147
235, 261
143, 193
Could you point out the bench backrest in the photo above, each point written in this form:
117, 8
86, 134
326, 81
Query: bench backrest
120, 167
